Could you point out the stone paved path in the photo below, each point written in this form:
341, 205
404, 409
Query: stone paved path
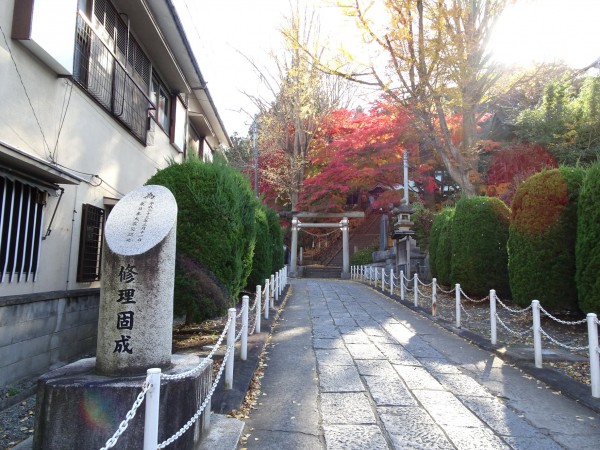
350, 369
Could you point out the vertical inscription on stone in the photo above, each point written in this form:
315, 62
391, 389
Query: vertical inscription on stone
136, 297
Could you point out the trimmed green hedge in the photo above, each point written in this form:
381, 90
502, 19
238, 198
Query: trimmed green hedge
215, 221
262, 263
588, 242
479, 235
541, 244
440, 247
276, 238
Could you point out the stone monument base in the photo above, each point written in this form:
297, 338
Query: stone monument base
76, 408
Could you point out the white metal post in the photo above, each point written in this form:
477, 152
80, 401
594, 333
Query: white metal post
594, 361
416, 288
433, 297
272, 294
391, 281
294, 252
402, 285
493, 331
457, 295
152, 410
382, 279
267, 303
281, 281
231, 347
244, 343
258, 307
537, 333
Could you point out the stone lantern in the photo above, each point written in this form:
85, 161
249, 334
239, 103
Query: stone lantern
401, 233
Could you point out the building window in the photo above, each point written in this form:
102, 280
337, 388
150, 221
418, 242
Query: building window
90, 243
159, 96
21, 217
111, 66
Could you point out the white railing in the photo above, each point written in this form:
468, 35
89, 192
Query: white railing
376, 278
150, 389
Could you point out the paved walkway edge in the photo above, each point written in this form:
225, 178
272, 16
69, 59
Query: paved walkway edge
575, 390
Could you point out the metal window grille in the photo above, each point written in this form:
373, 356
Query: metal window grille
90, 243
21, 217
112, 68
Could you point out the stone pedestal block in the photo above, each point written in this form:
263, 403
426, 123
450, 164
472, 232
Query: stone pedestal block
78, 409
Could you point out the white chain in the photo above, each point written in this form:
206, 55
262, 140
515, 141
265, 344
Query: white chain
597, 322
561, 344
239, 335
202, 406
578, 322
516, 333
465, 311
251, 332
516, 311
445, 292
203, 362
486, 298
130, 415
255, 303
423, 284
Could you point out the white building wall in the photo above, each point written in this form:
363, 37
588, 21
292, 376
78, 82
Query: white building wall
80, 136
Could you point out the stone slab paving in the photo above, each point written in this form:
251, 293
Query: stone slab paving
383, 377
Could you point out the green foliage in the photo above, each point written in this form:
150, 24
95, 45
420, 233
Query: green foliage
215, 220
440, 246
588, 242
567, 122
541, 244
276, 237
199, 295
364, 256
423, 221
262, 263
479, 236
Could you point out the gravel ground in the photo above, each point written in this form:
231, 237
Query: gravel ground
16, 422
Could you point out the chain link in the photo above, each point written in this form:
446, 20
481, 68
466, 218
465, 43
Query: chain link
423, 284
204, 362
195, 417
564, 322
516, 311
465, 311
568, 347
130, 415
515, 333
445, 292
486, 298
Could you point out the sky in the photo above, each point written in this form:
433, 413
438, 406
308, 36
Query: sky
227, 34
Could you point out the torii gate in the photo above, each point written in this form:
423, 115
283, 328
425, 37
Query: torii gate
342, 224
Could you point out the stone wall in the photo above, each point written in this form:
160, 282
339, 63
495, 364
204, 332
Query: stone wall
40, 332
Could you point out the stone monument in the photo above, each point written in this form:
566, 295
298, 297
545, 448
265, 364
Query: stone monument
135, 325
82, 404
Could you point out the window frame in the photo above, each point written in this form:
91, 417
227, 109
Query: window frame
21, 228
91, 238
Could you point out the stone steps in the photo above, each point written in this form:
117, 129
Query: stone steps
322, 272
